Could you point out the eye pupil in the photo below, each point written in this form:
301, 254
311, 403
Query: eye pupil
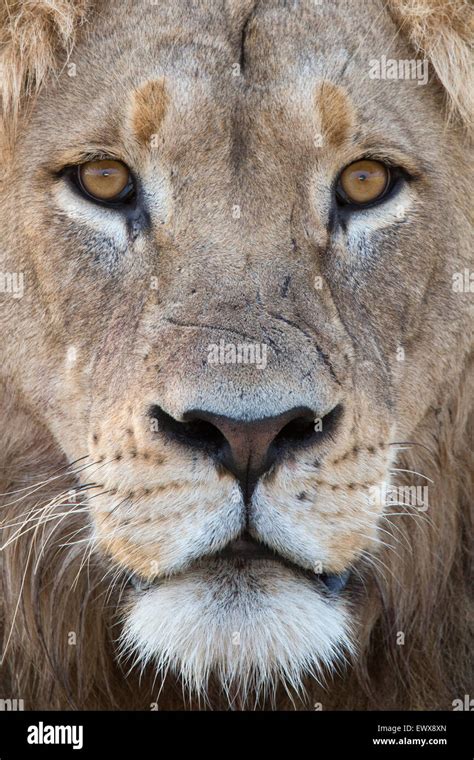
105, 180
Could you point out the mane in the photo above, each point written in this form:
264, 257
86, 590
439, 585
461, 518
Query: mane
426, 591
60, 604
36, 39
442, 31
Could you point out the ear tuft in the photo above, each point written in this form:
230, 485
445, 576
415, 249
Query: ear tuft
443, 31
34, 36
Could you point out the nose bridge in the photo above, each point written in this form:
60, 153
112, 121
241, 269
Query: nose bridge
241, 354
240, 332
234, 227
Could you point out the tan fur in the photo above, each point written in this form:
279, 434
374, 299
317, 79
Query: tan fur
116, 318
149, 109
335, 113
443, 31
35, 38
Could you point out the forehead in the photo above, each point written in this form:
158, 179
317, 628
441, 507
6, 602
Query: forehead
218, 50
238, 75
271, 40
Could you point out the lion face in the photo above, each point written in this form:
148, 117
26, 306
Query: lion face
238, 345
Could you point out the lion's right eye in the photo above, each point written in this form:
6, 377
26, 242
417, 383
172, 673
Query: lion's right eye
106, 180
363, 182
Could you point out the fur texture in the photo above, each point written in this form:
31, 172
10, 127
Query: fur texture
443, 32
235, 233
35, 39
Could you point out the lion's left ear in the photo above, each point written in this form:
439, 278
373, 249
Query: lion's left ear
34, 36
443, 31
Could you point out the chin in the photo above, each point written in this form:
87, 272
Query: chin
249, 625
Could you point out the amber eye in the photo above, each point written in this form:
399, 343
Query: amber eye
105, 180
363, 182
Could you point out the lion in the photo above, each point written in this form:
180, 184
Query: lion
236, 356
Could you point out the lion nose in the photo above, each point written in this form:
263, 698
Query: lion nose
246, 448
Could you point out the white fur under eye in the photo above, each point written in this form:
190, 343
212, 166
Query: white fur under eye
99, 218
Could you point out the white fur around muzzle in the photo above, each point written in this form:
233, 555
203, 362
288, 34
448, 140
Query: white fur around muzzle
249, 627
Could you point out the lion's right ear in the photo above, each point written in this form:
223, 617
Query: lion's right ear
443, 31
35, 35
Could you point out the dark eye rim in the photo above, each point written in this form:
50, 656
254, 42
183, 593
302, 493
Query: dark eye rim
395, 176
126, 197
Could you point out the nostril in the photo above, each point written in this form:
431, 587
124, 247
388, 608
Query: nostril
308, 429
297, 430
204, 432
196, 433
246, 448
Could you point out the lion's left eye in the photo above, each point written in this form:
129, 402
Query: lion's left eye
363, 182
107, 181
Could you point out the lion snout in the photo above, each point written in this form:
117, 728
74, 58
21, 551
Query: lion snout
247, 448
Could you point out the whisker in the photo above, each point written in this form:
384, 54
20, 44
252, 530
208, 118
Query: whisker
373, 559
38, 487
408, 443
50, 535
48, 480
17, 606
413, 472
43, 507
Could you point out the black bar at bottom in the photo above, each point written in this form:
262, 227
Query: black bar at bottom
156, 734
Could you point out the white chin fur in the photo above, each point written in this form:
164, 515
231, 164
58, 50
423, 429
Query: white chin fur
251, 627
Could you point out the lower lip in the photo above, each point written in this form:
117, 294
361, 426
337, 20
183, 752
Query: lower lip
331, 584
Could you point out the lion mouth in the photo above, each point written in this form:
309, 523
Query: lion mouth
245, 551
